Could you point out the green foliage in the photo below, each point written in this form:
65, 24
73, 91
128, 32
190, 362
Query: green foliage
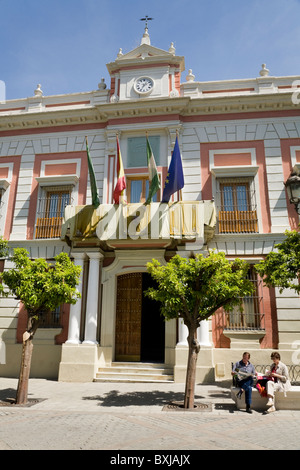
3, 247
41, 286
195, 288
282, 268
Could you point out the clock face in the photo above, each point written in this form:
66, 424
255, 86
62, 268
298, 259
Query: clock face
144, 85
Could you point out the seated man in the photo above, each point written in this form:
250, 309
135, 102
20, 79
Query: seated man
245, 372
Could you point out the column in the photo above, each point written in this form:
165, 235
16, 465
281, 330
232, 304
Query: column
183, 333
203, 333
92, 299
75, 309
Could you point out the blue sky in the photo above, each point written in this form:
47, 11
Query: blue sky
66, 44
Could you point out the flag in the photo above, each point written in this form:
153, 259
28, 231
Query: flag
95, 197
154, 183
174, 180
121, 182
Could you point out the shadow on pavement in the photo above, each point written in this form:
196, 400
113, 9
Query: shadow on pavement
8, 394
155, 397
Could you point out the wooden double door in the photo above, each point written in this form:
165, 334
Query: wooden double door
140, 328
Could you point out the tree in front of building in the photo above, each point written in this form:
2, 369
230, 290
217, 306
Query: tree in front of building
194, 289
41, 287
3, 247
281, 268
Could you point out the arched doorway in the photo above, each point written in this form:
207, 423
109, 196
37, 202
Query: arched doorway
140, 328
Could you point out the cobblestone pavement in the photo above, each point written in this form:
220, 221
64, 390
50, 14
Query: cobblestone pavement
123, 417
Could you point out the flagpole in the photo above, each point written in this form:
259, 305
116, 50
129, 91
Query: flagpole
180, 190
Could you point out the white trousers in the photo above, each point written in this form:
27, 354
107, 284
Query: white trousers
272, 387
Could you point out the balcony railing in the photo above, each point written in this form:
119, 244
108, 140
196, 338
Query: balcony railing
236, 203
252, 316
50, 213
237, 221
244, 321
48, 227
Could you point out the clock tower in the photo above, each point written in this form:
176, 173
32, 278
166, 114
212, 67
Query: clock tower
146, 72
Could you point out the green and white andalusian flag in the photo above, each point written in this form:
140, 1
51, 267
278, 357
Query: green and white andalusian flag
94, 191
154, 183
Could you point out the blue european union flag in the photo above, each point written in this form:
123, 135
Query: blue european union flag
174, 180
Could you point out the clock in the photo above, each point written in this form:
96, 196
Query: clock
143, 85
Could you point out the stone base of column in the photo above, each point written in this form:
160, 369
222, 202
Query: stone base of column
204, 374
204, 368
78, 363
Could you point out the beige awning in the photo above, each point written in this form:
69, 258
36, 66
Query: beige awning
178, 220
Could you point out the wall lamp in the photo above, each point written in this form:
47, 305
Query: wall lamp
292, 185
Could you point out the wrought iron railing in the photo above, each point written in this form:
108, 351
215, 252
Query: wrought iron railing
252, 316
50, 212
51, 319
294, 372
236, 204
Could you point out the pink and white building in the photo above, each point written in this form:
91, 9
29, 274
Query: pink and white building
239, 140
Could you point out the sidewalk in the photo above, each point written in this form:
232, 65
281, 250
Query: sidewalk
112, 397
110, 416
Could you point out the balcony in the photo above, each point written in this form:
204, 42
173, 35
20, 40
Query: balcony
50, 212
148, 225
238, 221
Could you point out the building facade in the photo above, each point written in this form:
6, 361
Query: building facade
238, 139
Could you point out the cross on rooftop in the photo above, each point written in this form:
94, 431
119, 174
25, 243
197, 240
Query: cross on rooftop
146, 19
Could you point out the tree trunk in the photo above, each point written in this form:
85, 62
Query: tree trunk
194, 349
22, 391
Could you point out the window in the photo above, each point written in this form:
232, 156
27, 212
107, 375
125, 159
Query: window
51, 319
252, 316
4, 184
50, 211
237, 206
137, 151
138, 189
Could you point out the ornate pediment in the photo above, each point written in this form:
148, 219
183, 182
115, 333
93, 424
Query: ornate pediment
145, 53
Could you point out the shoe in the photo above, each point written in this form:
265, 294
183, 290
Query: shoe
270, 402
248, 409
240, 393
271, 409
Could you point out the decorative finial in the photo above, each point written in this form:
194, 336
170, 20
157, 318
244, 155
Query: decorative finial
264, 71
172, 48
146, 37
120, 53
190, 77
102, 84
38, 91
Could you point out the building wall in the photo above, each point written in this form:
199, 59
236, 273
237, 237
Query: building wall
261, 143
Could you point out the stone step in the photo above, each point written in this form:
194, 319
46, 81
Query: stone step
134, 372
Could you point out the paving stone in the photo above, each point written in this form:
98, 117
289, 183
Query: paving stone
123, 417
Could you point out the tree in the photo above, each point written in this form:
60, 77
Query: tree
193, 289
3, 247
281, 268
41, 287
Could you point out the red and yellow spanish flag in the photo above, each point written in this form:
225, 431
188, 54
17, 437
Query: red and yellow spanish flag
118, 194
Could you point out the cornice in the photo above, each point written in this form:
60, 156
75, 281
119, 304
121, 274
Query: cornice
241, 104
185, 108
156, 61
